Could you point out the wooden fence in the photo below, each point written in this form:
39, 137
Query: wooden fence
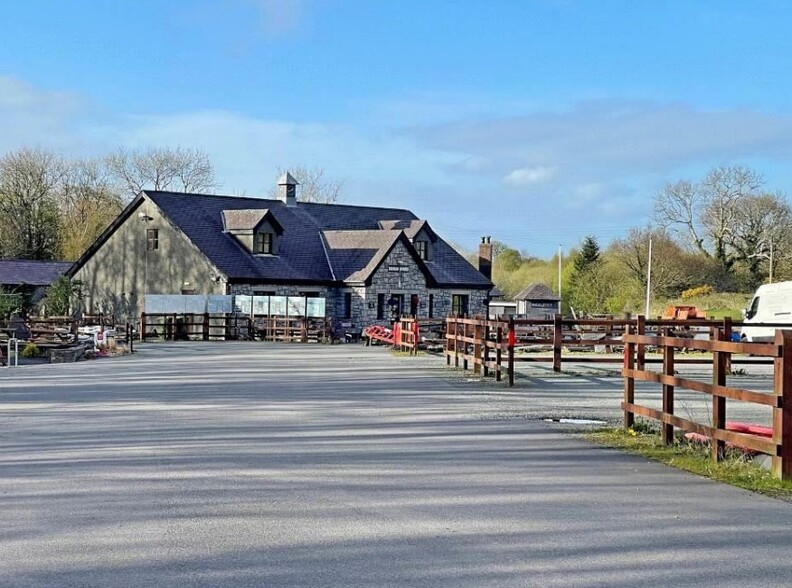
410, 333
223, 327
780, 352
489, 344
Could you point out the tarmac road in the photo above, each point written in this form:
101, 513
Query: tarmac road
284, 465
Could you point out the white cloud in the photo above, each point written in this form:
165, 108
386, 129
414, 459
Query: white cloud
609, 137
530, 175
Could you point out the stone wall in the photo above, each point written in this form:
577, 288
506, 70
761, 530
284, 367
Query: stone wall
408, 281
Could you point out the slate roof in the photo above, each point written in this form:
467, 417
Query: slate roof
537, 292
240, 220
314, 236
354, 255
25, 272
410, 228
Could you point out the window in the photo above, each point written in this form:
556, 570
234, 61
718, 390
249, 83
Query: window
380, 306
459, 304
347, 305
423, 249
431, 305
751, 312
262, 243
152, 239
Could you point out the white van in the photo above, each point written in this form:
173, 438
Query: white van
772, 303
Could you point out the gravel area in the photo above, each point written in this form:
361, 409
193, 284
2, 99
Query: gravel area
241, 465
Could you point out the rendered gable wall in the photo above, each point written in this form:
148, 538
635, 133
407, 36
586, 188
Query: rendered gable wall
118, 269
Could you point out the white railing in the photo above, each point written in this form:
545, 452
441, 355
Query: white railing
13, 343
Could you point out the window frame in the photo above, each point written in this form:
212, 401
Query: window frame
152, 239
422, 247
460, 303
263, 243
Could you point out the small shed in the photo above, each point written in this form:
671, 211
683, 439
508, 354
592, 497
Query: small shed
27, 280
537, 301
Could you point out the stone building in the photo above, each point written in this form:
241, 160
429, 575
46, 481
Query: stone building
370, 264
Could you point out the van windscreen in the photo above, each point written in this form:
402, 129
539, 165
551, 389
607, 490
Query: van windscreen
754, 309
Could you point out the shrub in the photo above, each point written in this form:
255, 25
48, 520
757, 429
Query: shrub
697, 291
31, 350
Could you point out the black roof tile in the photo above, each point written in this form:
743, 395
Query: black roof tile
302, 253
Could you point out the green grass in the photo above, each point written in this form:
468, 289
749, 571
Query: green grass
736, 469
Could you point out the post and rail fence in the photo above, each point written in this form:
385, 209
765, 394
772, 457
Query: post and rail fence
489, 346
779, 447
223, 327
475, 341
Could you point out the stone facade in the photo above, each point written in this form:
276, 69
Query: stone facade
120, 272
398, 274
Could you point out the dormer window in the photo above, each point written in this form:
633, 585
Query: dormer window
257, 229
422, 247
263, 243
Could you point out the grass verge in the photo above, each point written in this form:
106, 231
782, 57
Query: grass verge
737, 469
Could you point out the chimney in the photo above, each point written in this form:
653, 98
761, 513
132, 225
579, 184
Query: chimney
287, 189
485, 257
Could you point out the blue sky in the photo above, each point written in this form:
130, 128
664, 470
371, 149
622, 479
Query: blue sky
534, 122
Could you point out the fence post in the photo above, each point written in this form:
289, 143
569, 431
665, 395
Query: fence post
668, 390
727, 336
641, 330
557, 339
510, 351
486, 347
718, 402
629, 381
498, 351
142, 326
782, 417
477, 348
465, 344
448, 341
456, 343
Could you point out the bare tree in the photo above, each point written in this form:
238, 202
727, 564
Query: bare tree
761, 232
632, 252
314, 185
678, 207
725, 190
705, 213
29, 183
88, 203
179, 170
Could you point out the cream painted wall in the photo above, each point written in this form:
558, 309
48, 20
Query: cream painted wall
124, 268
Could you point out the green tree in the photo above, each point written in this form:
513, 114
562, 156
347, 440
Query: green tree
63, 296
588, 255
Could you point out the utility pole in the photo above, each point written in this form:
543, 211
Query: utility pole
771, 262
649, 279
559, 275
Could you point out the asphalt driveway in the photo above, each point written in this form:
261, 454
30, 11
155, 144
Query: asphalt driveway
288, 465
